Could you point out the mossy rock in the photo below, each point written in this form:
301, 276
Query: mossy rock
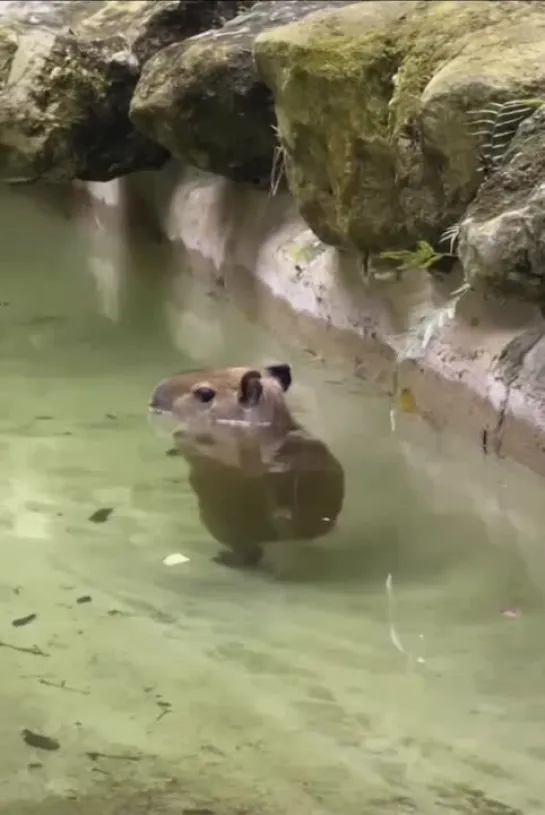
68, 71
64, 108
67, 75
203, 100
373, 104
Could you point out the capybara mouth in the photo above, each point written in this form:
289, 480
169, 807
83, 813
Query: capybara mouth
161, 421
155, 411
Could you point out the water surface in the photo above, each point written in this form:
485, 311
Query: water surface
310, 687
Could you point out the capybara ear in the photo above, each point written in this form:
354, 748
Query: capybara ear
281, 372
250, 388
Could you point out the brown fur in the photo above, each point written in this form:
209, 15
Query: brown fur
260, 479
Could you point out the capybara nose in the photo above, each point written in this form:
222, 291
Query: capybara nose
161, 399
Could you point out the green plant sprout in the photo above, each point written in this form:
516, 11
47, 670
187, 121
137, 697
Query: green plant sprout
422, 257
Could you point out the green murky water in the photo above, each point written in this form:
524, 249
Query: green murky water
200, 690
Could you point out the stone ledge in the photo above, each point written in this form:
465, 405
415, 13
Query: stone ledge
240, 234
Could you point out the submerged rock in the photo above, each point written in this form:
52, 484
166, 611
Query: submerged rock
203, 100
374, 105
65, 93
502, 237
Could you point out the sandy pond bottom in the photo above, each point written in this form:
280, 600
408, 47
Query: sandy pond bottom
199, 690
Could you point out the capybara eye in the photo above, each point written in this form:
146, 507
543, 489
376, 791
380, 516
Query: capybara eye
204, 393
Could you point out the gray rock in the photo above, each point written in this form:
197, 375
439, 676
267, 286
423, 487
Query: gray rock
502, 236
63, 108
53, 14
65, 90
151, 25
203, 100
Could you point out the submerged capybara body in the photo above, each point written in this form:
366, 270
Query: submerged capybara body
257, 474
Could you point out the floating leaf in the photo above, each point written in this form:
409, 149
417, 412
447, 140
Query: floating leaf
406, 401
175, 559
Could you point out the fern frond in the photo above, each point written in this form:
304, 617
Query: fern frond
451, 237
495, 127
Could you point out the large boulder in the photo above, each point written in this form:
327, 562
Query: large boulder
64, 106
375, 106
203, 100
67, 76
502, 236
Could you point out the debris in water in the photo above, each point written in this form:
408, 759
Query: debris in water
392, 629
166, 708
101, 515
175, 559
24, 620
392, 419
94, 755
62, 686
85, 598
39, 741
34, 650
511, 613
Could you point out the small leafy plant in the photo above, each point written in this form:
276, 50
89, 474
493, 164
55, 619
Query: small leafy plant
422, 257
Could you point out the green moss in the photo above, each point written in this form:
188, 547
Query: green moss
436, 32
332, 83
358, 89
8, 49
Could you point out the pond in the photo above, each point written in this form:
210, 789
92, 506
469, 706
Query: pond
395, 666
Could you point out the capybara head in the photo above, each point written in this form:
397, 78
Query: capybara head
226, 396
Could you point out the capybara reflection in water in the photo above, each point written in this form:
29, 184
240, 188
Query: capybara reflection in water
258, 475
